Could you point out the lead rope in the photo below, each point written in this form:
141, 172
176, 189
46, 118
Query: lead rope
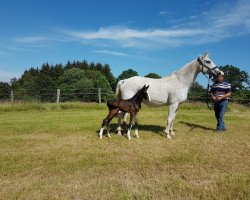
210, 104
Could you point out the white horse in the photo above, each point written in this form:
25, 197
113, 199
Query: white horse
171, 90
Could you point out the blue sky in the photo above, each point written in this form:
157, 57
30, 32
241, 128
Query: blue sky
157, 36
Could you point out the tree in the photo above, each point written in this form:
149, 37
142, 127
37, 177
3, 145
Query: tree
68, 80
73, 83
76, 84
238, 79
153, 75
46, 69
197, 88
127, 74
56, 71
14, 83
27, 86
107, 72
4, 91
197, 93
46, 87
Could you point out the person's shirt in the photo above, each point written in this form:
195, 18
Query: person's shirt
220, 88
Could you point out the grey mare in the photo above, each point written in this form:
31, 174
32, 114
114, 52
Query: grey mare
171, 90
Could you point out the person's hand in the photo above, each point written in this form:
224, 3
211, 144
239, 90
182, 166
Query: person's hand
214, 99
219, 98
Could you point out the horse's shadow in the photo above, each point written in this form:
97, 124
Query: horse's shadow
156, 128
141, 127
194, 126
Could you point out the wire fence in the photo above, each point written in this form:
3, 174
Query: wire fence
57, 95
91, 95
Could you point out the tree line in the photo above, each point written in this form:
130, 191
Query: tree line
80, 80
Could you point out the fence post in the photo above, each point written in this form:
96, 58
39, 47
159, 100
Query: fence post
57, 96
11, 96
99, 95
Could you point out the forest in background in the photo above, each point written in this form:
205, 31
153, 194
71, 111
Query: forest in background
80, 80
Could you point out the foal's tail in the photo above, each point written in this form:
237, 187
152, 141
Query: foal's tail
113, 104
118, 89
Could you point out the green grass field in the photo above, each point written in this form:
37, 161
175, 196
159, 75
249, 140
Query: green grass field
50, 151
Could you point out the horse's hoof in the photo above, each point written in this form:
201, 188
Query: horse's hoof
119, 134
169, 137
109, 135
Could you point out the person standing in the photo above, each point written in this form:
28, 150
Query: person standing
220, 93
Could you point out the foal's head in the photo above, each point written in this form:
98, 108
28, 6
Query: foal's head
143, 93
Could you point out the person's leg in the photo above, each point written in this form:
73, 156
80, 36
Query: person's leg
216, 113
222, 110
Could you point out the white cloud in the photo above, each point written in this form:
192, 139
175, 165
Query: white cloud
218, 23
115, 53
164, 13
124, 33
31, 39
128, 37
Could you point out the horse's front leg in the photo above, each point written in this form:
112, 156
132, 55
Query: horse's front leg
130, 124
171, 117
136, 126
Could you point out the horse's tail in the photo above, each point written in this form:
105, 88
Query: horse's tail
118, 89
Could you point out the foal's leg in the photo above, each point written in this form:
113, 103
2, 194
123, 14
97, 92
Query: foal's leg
106, 122
130, 124
136, 126
171, 116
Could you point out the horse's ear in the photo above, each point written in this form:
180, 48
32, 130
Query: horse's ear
147, 87
206, 54
144, 86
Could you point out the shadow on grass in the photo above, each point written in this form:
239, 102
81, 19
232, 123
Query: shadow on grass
149, 128
194, 126
155, 128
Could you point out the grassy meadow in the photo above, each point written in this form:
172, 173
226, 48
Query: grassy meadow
50, 151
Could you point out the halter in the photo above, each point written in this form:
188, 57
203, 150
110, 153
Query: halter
210, 104
204, 65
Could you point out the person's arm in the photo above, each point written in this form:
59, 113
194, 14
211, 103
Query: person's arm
212, 96
224, 96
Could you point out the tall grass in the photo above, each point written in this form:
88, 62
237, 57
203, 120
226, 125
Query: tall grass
26, 106
53, 152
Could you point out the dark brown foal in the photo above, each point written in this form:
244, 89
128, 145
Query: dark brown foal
131, 106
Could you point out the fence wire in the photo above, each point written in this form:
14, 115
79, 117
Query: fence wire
90, 95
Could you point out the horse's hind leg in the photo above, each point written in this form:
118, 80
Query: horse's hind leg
136, 126
104, 123
120, 115
124, 124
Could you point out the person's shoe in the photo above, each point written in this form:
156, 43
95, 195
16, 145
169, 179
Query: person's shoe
224, 129
218, 130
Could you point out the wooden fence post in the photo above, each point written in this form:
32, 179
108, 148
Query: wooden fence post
12, 96
99, 95
57, 96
